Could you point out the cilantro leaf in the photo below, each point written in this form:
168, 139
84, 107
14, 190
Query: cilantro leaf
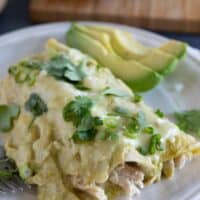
142, 150
75, 74
86, 123
7, 116
159, 113
62, 68
189, 121
36, 106
86, 135
114, 92
78, 111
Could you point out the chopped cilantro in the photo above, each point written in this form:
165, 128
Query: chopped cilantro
78, 111
88, 122
7, 115
143, 151
189, 121
59, 66
87, 135
137, 98
62, 68
98, 121
36, 106
114, 92
159, 113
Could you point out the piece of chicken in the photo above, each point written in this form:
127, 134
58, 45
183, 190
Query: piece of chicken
129, 178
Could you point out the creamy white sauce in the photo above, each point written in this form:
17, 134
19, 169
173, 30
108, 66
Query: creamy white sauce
140, 140
94, 160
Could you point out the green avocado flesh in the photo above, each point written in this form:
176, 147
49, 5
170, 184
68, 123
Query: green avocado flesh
124, 43
139, 77
139, 66
162, 60
176, 48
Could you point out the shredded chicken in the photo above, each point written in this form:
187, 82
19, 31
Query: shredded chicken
129, 178
91, 189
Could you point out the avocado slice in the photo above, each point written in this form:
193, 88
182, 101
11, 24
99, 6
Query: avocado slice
176, 48
137, 76
128, 48
122, 42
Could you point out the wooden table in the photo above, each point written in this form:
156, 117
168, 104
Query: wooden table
167, 15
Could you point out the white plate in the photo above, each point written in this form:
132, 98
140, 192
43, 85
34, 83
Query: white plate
179, 91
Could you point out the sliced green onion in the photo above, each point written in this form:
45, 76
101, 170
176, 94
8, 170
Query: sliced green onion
155, 144
21, 77
130, 134
111, 122
149, 130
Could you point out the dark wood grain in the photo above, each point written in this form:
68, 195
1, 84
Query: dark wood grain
167, 15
